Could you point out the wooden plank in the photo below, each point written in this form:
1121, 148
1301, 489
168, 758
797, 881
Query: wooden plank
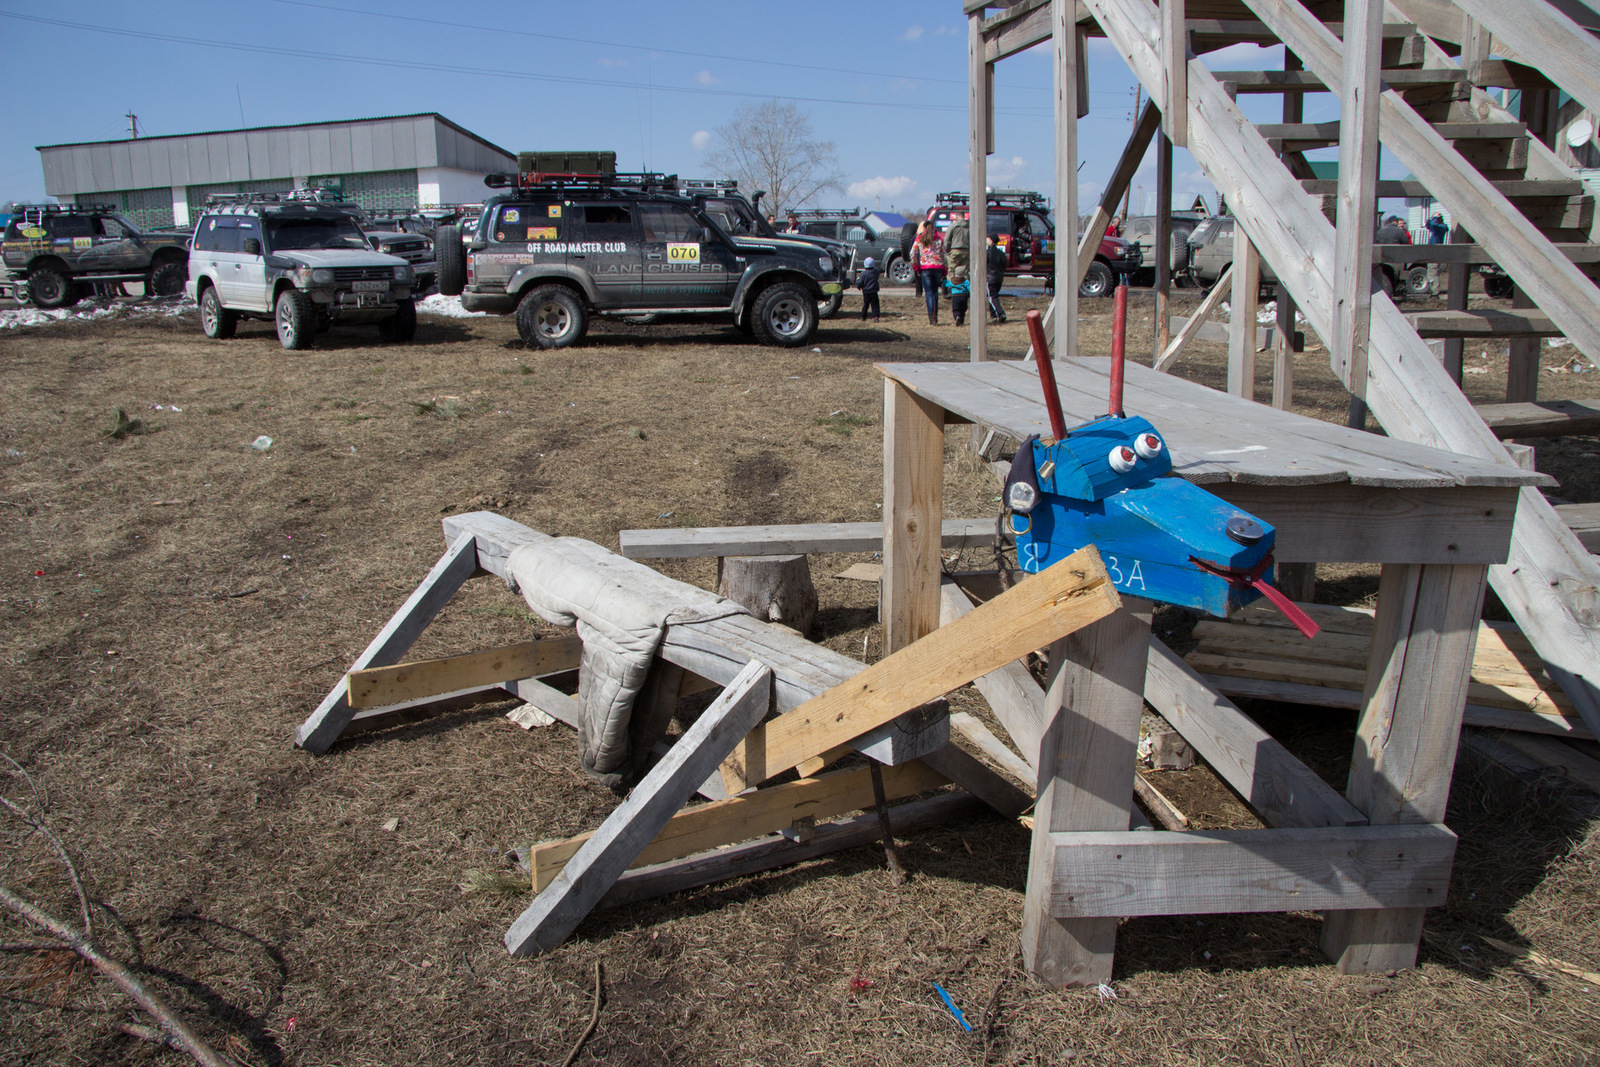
1012, 694
1584, 521
556, 912
980, 140
913, 473
1064, 34
376, 686
1016, 30
1417, 678
1543, 418
459, 562
757, 856
1165, 811
1192, 326
553, 702
1357, 132
1242, 315
1206, 872
1276, 785
1565, 51
971, 774
1482, 322
1175, 71
1304, 81
1582, 769
984, 740
753, 814
1062, 598
388, 716
705, 541
1086, 768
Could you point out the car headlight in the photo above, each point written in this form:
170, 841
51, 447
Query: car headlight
322, 276
825, 262
402, 274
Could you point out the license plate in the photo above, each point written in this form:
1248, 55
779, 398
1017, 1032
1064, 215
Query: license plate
370, 287
368, 300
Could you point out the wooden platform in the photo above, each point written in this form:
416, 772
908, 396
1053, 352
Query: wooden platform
1481, 323
1541, 418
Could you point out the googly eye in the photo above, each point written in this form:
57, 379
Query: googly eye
1148, 445
1122, 459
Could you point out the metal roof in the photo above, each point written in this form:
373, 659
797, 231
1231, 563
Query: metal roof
291, 126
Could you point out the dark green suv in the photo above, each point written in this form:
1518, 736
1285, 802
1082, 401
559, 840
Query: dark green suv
57, 252
556, 250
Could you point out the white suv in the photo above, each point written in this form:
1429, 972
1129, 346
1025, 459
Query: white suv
303, 264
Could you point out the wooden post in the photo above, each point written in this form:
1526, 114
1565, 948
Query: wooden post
980, 83
1522, 368
1294, 107
1474, 47
1064, 34
1459, 279
1175, 72
1163, 250
1242, 316
773, 588
1358, 205
913, 504
1417, 676
1086, 769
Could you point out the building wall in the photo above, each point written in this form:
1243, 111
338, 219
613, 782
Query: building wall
450, 185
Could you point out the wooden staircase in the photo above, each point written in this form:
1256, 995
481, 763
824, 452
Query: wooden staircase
1515, 202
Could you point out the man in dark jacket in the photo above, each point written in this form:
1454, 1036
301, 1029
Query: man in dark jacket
867, 281
995, 275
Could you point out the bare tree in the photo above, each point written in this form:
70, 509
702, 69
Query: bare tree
770, 146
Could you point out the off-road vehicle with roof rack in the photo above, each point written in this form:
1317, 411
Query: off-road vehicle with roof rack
298, 261
557, 249
741, 217
867, 232
1021, 222
57, 252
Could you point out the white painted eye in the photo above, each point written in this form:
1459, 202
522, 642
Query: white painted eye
1148, 445
1122, 459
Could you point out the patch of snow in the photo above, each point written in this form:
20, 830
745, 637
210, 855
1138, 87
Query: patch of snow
26, 316
446, 306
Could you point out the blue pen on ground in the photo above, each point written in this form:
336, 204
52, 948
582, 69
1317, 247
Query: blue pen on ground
951, 1004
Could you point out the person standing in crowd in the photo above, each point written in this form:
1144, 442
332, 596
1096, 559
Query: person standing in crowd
908, 243
931, 264
1390, 233
957, 258
868, 281
793, 223
995, 274
1114, 228
1437, 229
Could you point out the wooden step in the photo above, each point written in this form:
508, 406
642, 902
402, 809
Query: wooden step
1499, 157
1543, 418
1303, 81
1482, 323
1515, 189
1583, 520
1468, 252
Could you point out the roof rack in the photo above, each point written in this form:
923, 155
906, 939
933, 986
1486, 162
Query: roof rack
718, 185
39, 211
646, 182
826, 213
1013, 198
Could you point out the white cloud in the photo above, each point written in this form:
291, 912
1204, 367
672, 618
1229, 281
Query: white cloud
1005, 170
607, 61
701, 140
704, 78
899, 187
912, 33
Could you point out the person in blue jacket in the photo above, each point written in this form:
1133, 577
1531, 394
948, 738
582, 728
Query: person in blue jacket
868, 281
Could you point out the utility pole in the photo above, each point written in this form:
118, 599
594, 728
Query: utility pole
1138, 99
133, 125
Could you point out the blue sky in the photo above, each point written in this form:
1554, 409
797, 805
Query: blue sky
885, 81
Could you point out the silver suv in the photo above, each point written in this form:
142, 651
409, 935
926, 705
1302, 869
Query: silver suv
303, 264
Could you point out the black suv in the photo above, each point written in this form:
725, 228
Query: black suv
870, 235
55, 252
559, 248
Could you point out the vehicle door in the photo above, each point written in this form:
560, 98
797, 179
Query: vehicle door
250, 265
602, 241
685, 263
115, 247
1141, 231
218, 236
1040, 240
72, 238
861, 237
820, 229
518, 234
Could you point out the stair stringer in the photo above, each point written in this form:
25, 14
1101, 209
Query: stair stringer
1549, 582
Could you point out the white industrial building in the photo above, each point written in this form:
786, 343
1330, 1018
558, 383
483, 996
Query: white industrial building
401, 161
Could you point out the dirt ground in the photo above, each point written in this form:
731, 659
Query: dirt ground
174, 603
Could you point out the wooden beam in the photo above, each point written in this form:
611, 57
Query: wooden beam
1276, 785
557, 911
1057, 601
1481, 322
1017, 29
1175, 73
376, 686
1219, 292
1357, 211
1566, 52
1162, 329
740, 860
751, 815
1064, 38
1300, 82
971, 774
913, 495
1242, 315
980, 104
984, 740
1086, 768
323, 727
1417, 679
1207, 872
705, 541
1012, 694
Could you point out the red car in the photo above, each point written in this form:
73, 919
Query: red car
1021, 223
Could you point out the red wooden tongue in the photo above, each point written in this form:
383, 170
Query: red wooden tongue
1290, 609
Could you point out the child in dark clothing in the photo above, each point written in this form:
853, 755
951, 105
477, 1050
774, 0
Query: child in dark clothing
867, 281
960, 295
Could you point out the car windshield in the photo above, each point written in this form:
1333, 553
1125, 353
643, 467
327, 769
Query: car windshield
733, 214
284, 234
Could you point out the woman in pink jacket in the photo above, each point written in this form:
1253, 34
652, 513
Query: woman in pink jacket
929, 252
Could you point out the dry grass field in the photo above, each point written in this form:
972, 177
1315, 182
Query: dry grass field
174, 602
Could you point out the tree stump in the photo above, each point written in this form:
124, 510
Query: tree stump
773, 588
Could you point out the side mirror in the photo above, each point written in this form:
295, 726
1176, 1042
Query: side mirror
252, 246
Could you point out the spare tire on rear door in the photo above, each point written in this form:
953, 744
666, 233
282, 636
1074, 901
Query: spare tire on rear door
451, 256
